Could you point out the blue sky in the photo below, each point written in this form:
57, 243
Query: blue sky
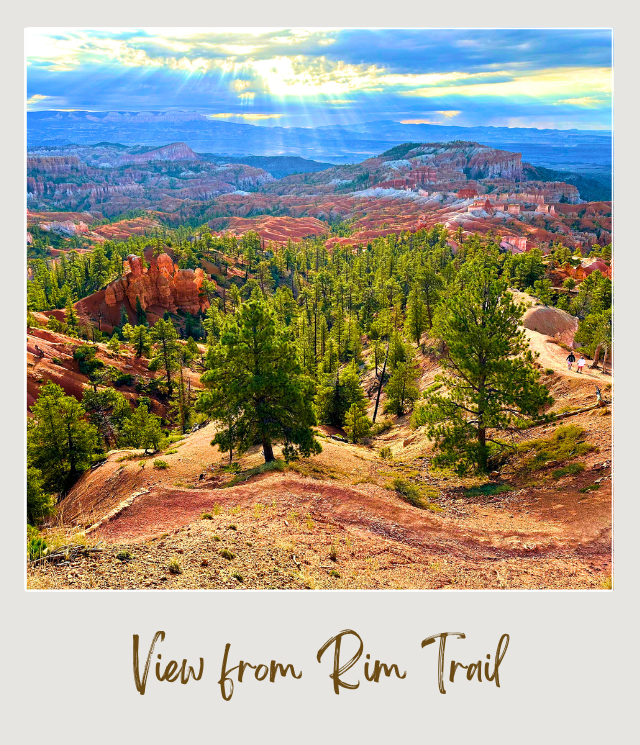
541, 78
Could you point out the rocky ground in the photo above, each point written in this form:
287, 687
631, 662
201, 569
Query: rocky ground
336, 522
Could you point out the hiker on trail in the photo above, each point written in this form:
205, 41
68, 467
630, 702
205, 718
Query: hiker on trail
570, 360
581, 364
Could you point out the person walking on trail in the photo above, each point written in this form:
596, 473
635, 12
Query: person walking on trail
581, 364
570, 360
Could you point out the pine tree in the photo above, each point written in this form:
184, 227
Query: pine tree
337, 393
60, 443
416, 323
166, 348
138, 337
254, 373
401, 389
71, 317
140, 313
357, 423
39, 504
489, 378
142, 430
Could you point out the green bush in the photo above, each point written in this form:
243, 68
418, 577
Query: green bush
206, 516
381, 427
238, 576
409, 492
123, 556
124, 379
385, 453
36, 548
487, 490
226, 554
569, 470
565, 443
160, 463
85, 355
174, 566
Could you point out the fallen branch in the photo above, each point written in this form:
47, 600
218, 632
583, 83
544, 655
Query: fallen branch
65, 553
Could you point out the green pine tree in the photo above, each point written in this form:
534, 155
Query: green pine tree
60, 443
140, 313
489, 379
138, 337
254, 373
142, 430
165, 349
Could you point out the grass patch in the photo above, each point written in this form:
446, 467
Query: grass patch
158, 463
591, 487
380, 428
385, 453
334, 573
565, 443
226, 554
171, 452
238, 576
413, 494
232, 527
174, 566
123, 556
217, 538
487, 490
570, 470
239, 478
206, 516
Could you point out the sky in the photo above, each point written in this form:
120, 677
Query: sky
544, 78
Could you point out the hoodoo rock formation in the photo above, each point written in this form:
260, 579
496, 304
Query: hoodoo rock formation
551, 322
160, 287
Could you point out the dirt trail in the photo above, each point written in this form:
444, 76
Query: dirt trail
553, 356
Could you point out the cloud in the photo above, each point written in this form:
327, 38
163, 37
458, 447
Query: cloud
311, 77
33, 101
584, 101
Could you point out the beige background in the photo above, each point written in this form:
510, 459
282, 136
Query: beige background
568, 674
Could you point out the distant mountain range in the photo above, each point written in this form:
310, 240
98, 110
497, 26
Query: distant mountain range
586, 152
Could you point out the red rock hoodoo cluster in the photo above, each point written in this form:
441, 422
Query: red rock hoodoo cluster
160, 287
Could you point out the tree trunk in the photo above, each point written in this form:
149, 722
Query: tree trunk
268, 451
384, 367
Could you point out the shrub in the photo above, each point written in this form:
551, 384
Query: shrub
238, 576
591, 487
85, 355
226, 554
173, 451
565, 443
334, 573
385, 452
160, 463
123, 556
36, 548
487, 490
217, 538
206, 516
124, 379
380, 427
569, 470
174, 566
333, 552
409, 492
232, 527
